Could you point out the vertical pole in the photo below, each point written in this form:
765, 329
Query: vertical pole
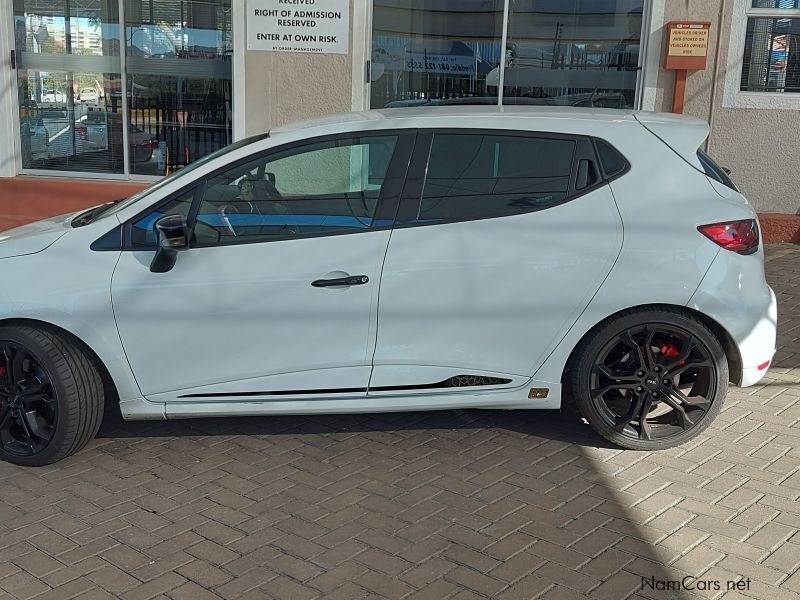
503, 43
123, 77
70, 77
680, 92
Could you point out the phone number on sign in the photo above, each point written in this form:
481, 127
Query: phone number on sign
414, 65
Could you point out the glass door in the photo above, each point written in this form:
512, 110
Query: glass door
68, 67
178, 61
138, 94
555, 52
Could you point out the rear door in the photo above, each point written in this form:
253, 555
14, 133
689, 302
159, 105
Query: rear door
501, 241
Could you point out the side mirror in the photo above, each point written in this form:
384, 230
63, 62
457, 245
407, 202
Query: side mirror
173, 236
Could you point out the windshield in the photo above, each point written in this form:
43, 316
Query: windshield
184, 171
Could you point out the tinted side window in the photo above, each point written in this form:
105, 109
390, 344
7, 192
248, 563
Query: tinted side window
713, 170
324, 187
474, 176
612, 161
143, 229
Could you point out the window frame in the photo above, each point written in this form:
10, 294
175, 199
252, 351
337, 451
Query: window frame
385, 210
584, 150
734, 96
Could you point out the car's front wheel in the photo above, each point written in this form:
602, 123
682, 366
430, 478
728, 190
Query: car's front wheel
51, 396
650, 379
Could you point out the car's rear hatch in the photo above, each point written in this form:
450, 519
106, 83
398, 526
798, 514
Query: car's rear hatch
683, 134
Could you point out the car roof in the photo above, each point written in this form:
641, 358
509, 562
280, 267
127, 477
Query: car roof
399, 117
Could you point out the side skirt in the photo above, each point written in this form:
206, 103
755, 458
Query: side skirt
516, 399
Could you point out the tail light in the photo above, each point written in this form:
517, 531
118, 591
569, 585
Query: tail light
82, 132
737, 236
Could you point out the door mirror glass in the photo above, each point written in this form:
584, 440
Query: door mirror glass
172, 234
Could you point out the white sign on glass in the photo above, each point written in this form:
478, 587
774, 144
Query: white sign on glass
319, 26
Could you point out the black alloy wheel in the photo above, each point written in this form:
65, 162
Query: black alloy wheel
51, 395
28, 405
651, 380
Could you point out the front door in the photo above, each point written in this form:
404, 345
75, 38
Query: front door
277, 295
493, 258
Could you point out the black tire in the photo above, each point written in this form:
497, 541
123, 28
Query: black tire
75, 390
616, 418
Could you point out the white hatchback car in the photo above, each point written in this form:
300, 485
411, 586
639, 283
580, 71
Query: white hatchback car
411, 259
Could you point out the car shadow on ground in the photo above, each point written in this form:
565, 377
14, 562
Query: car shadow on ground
556, 425
550, 463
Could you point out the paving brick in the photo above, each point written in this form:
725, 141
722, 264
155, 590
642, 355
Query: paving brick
620, 585
473, 580
771, 535
38, 563
192, 591
212, 552
762, 573
530, 586
22, 585
568, 578
698, 560
113, 580
786, 558
251, 580
204, 573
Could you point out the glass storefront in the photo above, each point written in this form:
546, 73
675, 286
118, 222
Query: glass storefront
563, 52
85, 108
434, 49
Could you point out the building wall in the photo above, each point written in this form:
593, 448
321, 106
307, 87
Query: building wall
758, 144
283, 87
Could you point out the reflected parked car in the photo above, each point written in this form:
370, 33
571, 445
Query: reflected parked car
36, 135
99, 128
88, 95
54, 96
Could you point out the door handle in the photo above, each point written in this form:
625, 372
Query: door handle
341, 281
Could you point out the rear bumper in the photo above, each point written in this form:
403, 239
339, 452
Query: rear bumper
735, 294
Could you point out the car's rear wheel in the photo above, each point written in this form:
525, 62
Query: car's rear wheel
51, 396
650, 379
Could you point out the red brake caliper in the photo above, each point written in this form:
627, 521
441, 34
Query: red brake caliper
2, 371
670, 350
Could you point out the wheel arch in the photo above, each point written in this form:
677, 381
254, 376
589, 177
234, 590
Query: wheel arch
726, 340
109, 386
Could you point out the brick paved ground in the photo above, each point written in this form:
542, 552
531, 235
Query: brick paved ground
444, 505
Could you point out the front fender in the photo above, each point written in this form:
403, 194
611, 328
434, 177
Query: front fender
68, 286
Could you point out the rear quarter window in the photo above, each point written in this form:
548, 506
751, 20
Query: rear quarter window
611, 160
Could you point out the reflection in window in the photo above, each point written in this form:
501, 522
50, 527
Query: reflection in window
69, 119
787, 4
323, 188
179, 81
578, 52
772, 54
581, 53
429, 51
482, 176
70, 83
